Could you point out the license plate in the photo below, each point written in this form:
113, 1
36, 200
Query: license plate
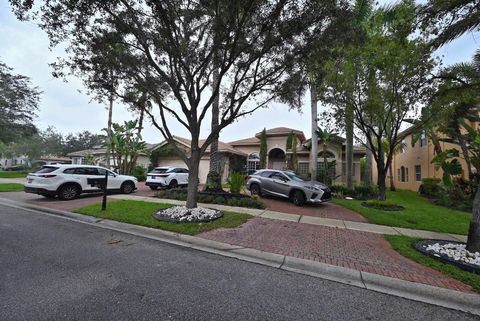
153, 177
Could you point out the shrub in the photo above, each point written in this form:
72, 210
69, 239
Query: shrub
364, 192
431, 186
233, 202
219, 200
139, 173
383, 205
236, 182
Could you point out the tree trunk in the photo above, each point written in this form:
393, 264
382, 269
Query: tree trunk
390, 171
140, 119
349, 145
368, 168
192, 189
109, 129
314, 149
473, 241
215, 181
382, 188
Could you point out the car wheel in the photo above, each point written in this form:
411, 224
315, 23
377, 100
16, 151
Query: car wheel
298, 198
153, 188
68, 192
173, 184
255, 189
127, 188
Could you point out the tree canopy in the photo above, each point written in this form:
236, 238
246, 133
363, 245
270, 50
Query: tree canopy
19, 101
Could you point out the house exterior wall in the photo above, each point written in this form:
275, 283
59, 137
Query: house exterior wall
415, 158
12, 161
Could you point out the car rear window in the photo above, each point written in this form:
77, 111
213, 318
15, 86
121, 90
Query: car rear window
46, 169
160, 170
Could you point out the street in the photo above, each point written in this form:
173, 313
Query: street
55, 269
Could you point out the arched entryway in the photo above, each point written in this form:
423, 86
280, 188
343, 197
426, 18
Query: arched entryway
276, 159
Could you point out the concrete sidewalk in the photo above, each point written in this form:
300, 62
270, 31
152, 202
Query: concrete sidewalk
12, 180
341, 224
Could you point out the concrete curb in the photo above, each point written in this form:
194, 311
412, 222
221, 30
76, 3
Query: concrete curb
466, 302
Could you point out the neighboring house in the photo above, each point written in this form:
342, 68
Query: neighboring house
13, 161
244, 155
230, 159
414, 163
99, 154
49, 160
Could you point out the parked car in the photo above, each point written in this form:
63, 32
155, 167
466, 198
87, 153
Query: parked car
15, 168
69, 181
170, 177
289, 185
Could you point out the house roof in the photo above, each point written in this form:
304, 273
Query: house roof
222, 147
282, 131
98, 151
254, 141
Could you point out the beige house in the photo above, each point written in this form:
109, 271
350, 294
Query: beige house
99, 154
244, 155
414, 163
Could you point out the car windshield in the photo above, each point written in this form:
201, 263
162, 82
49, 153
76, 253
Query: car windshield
294, 177
160, 170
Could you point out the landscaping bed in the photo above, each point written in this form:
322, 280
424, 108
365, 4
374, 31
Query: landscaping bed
214, 197
450, 252
418, 213
141, 213
10, 187
182, 214
404, 246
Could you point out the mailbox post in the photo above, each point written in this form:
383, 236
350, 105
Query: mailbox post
102, 184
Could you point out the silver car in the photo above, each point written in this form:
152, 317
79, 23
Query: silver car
289, 185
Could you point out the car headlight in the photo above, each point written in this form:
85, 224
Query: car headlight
311, 188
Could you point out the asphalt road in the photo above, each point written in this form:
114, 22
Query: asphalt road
55, 269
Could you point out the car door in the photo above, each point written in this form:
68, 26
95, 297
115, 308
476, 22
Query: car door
279, 184
92, 173
266, 183
113, 181
80, 176
184, 175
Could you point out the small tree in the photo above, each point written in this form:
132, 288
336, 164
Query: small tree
126, 146
263, 149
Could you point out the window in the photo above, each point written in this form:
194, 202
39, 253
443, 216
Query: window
423, 138
302, 168
278, 176
418, 173
266, 173
159, 170
398, 175
46, 169
253, 161
403, 174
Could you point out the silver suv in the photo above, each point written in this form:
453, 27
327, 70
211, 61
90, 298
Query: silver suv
289, 185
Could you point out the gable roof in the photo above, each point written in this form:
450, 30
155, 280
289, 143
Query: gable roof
222, 147
282, 131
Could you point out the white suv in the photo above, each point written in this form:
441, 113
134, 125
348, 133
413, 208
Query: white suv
69, 181
170, 177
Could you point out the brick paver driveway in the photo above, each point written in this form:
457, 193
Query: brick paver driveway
326, 210
82, 200
358, 250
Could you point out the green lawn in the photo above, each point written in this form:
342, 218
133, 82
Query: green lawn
140, 213
403, 245
419, 213
10, 187
4, 174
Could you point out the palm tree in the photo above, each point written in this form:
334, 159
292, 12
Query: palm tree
327, 137
453, 18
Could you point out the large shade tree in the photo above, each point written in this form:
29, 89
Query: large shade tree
166, 47
19, 101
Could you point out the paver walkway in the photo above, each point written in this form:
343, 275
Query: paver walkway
325, 210
357, 250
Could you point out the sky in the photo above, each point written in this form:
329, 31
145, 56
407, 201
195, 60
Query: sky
64, 105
